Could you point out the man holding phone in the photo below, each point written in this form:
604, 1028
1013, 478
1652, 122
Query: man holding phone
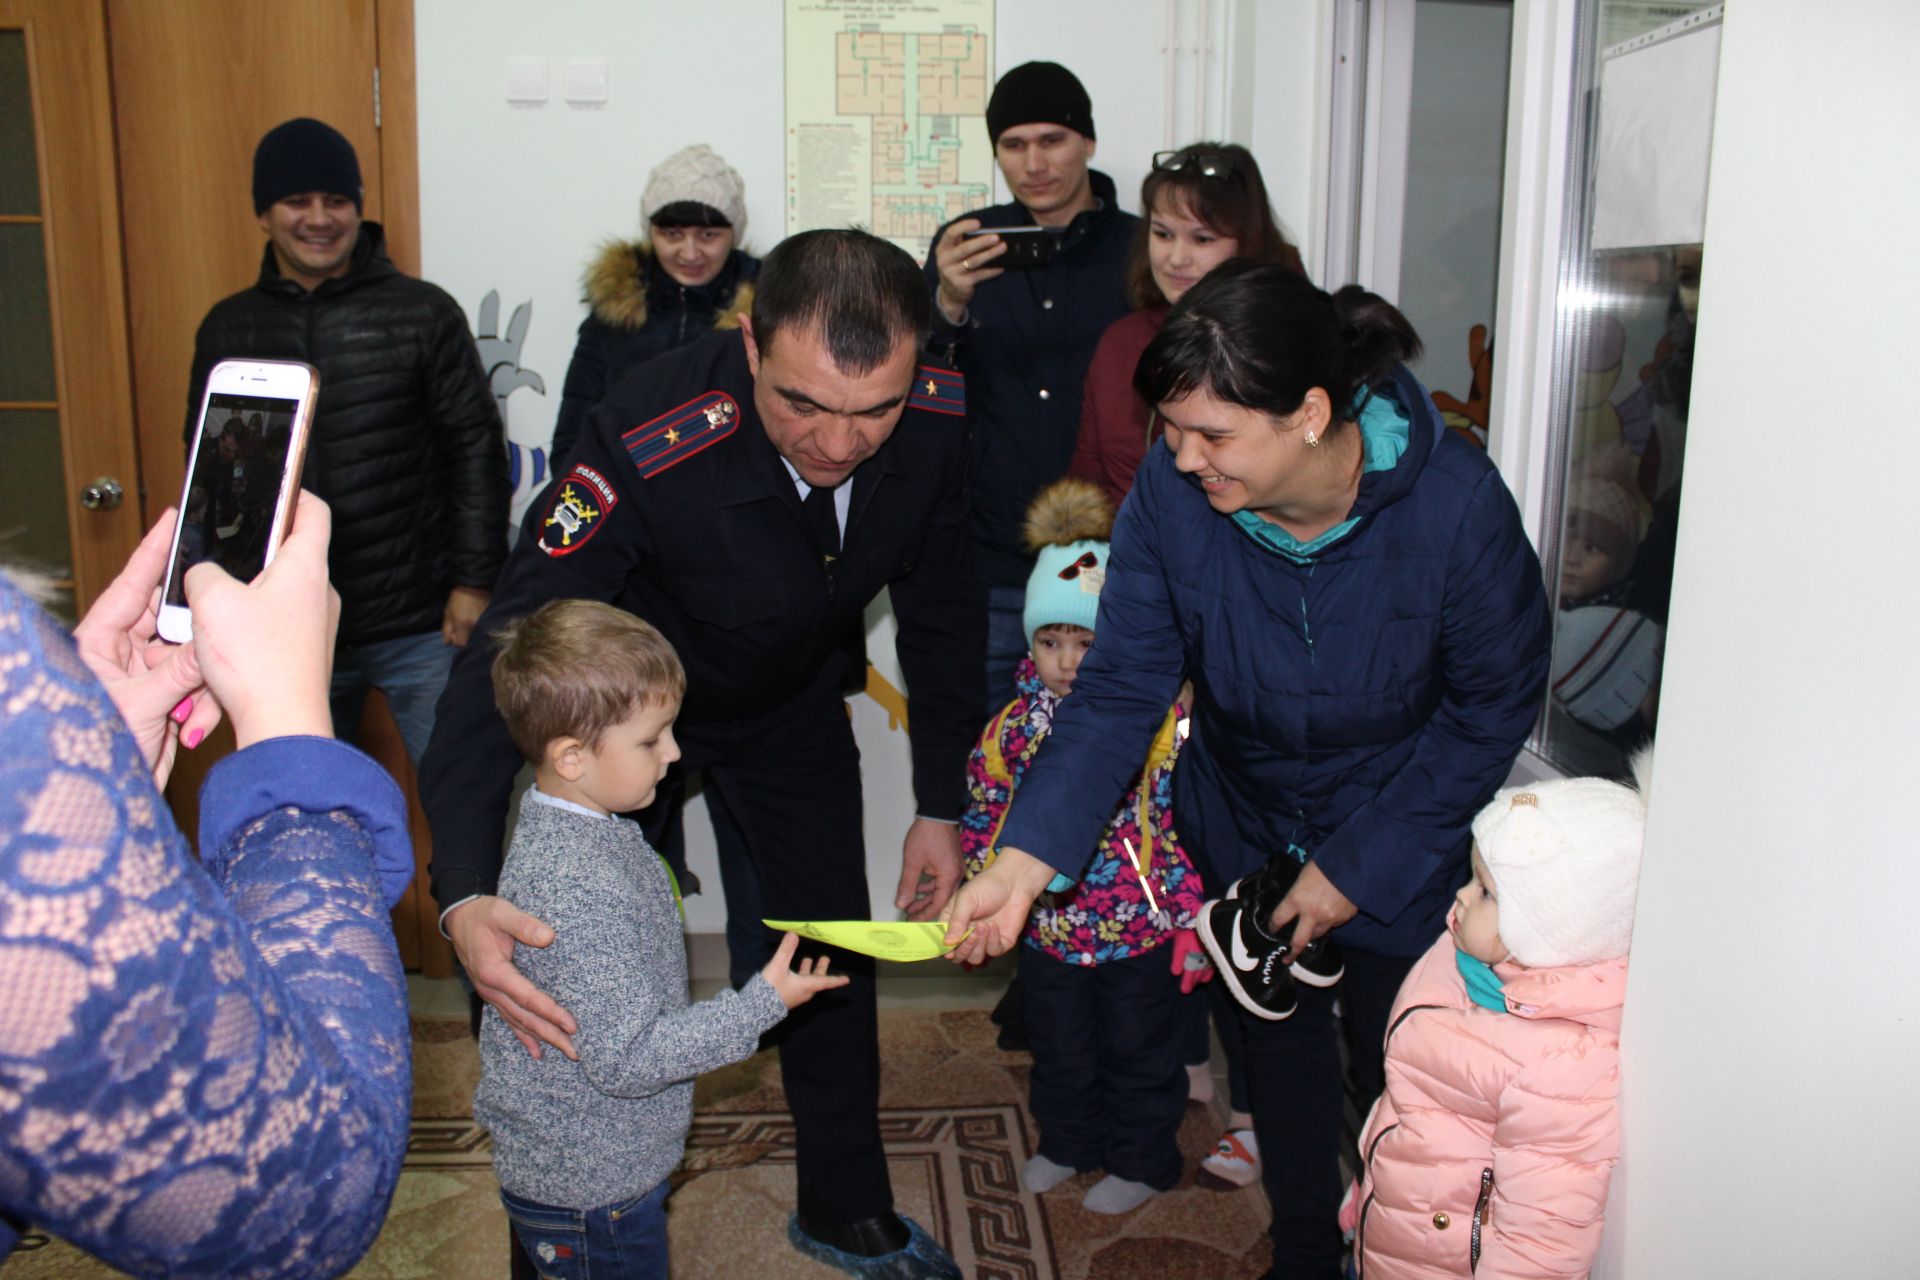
406, 447
1021, 320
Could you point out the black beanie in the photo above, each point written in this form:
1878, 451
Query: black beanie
1039, 93
304, 155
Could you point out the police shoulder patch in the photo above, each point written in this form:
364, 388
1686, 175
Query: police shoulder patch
580, 504
939, 389
679, 433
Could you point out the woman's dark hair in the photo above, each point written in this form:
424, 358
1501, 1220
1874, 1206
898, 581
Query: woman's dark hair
1260, 335
1219, 183
860, 293
688, 213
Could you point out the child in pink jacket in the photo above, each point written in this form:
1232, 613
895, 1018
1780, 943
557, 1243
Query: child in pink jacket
1490, 1151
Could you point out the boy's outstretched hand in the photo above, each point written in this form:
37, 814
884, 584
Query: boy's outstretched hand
797, 986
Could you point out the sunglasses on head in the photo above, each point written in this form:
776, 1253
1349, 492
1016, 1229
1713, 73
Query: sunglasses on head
1087, 560
1206, 163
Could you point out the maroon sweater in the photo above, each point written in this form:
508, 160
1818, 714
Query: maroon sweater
1116, 427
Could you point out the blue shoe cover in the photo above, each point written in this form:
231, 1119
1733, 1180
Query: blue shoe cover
921, 1259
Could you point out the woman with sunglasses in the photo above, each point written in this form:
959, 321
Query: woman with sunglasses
1349, 588
1202, 205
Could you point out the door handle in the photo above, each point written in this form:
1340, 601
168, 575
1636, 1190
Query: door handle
104, 494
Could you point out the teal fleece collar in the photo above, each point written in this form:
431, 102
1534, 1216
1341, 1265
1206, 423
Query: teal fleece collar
1385, 429
1484, 987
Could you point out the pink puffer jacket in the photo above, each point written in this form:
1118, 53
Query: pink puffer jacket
1489, 1152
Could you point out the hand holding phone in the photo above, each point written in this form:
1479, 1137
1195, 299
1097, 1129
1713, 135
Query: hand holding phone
265, 649
156, 687
243, 475
964, 259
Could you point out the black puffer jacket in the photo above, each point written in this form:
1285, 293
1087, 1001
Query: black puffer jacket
639, 312
407, 447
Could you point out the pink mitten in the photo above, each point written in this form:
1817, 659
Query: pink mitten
1190, 963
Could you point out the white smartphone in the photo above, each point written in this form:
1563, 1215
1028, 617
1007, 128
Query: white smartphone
243, 476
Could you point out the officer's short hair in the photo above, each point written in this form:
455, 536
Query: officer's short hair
860, 293
576, 668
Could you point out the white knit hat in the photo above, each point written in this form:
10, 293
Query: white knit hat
1565, 861
696, 173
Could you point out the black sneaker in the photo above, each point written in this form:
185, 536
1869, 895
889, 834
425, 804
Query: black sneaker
1319, 965
1251, 962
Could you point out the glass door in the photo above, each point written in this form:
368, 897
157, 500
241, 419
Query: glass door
1629, 293
69, 505
33, 488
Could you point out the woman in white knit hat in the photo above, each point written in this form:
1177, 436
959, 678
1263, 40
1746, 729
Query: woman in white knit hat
687, 278
1491, 1149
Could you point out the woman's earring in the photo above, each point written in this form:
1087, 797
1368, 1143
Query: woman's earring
1313, 441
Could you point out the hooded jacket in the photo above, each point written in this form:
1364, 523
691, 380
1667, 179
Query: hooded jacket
1490, 1151
406, 447
1107, 915
1024, 346
1356, 701
636, 312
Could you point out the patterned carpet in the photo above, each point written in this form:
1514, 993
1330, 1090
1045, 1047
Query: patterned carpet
956, 1128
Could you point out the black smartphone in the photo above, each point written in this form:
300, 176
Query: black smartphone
1026, 246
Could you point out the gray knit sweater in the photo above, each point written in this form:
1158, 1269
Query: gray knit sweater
612, 1126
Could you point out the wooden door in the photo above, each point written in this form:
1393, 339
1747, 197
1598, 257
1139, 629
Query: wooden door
195, 85
66, 401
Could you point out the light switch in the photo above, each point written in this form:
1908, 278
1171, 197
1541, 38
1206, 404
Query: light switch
528, 81
586, 80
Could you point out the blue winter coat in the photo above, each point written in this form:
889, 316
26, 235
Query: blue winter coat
1356, 706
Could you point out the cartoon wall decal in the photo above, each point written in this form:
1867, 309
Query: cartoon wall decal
891, 699
500, 356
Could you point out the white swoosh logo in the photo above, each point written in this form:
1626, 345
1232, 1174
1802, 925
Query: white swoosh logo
1242, 959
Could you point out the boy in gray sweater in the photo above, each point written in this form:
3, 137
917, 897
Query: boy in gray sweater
583, 1148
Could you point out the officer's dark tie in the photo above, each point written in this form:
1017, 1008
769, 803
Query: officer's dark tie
822, 523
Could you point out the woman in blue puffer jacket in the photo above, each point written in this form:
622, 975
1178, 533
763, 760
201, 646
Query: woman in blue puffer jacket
1349, 587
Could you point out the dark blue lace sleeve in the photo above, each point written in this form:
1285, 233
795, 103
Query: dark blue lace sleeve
203, 1072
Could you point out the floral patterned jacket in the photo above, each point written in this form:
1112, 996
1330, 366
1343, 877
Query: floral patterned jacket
1106, 916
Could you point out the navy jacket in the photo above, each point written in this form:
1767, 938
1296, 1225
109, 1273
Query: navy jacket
1357, 709
702, 534
1025, 347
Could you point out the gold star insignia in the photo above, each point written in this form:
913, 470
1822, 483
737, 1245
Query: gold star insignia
673, 437
932, 389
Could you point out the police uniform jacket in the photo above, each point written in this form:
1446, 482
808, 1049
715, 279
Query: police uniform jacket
676, 507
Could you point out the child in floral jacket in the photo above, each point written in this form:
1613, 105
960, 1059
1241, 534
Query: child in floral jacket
1102, 1003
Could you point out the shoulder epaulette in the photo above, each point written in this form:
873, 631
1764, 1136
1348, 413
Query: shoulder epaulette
678, 434
939, 390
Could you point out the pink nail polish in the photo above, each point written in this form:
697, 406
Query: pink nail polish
192, 738
181, 710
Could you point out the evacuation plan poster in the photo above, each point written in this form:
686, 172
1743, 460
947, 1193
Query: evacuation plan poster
886, 115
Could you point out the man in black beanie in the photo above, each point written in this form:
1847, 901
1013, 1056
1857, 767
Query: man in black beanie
1024, 341
407, 446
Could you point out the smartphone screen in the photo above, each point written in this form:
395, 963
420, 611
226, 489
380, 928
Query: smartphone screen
238, 463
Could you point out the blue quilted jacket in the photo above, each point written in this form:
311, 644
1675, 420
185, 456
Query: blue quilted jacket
1355, 703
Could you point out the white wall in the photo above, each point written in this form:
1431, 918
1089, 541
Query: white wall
1773, 1021
515, 199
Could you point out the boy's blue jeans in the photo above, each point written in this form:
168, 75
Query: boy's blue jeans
625, 1241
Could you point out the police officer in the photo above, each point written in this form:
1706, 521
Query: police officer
749, 495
